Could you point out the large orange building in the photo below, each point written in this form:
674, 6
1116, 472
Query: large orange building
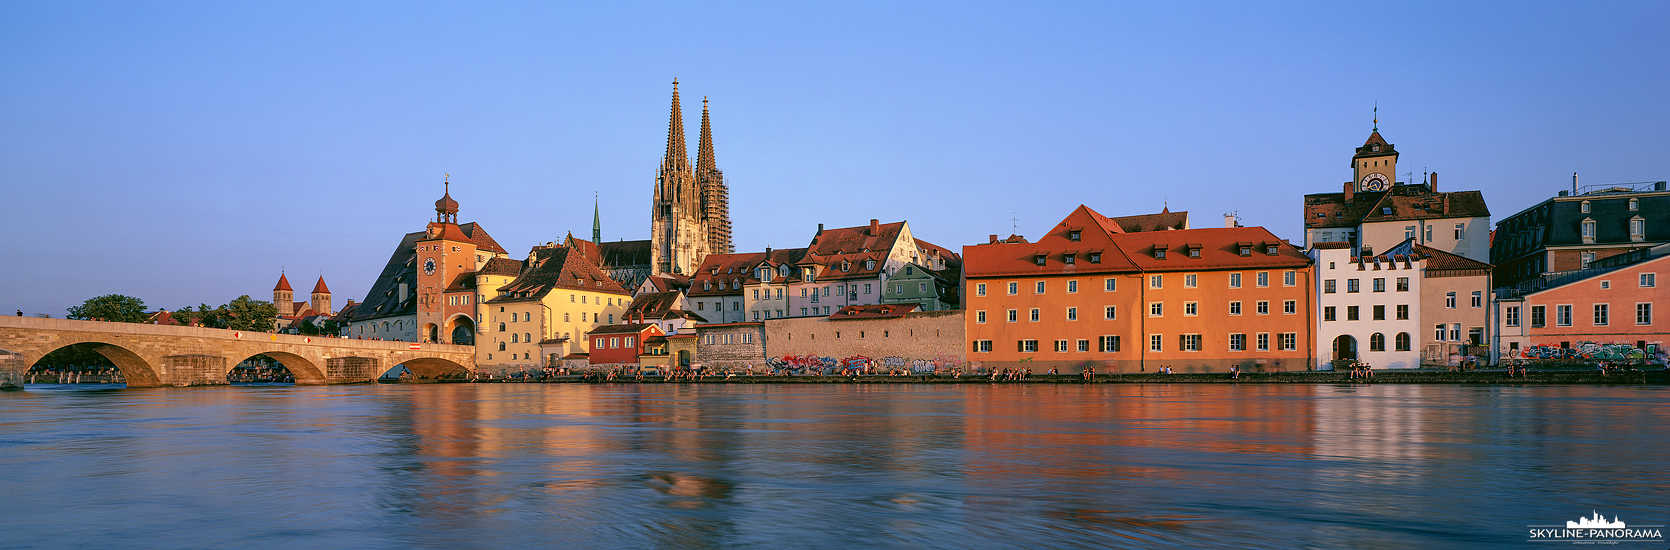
1092, 294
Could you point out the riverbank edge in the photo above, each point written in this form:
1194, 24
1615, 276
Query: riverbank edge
1653, 377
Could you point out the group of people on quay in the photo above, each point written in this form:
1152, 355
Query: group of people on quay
1360, 369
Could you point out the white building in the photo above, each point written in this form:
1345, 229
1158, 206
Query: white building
1368, 308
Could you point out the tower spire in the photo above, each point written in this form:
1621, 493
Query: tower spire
704, 144
677, 156
596, 221
716, 197
1377, 116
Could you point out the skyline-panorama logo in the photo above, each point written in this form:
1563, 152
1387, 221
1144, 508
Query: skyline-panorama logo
1596, 529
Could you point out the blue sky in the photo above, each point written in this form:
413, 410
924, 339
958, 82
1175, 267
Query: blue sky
186, 152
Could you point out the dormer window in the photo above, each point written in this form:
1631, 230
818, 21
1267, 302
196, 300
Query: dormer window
1637, 228
1075, 234
1194, 252
1385, 210
869, 264
811, 274
764, 274
1634, 204
1588, 230
1038, 259
1095, 257
783, 270
1246, 250
846, 266
707, 285
1584, 208
1159, 253
1069, 259
1272, 249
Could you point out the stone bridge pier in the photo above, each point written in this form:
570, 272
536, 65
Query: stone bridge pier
153, 355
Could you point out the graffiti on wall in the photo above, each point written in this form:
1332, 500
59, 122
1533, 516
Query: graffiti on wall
812, 363
1596, 351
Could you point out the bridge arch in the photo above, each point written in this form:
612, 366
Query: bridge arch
435, 368
138, 372
307, 373
460, 330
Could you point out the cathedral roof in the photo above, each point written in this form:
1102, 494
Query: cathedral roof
320, 288
283, 283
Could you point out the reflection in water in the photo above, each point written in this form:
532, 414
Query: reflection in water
825, 466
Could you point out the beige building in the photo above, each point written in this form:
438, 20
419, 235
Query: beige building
1375, 212
738, 347
1455, 309
557, 298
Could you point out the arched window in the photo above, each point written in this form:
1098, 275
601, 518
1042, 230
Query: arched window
513, 338
501, 327
524, 355
501, 346
1403, 341
527, 338
565, 317
1377, 342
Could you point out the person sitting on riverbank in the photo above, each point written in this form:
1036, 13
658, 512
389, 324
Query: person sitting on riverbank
1090, 374
1235, 372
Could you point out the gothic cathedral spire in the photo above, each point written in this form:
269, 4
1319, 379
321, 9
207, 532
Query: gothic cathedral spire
716, 197
678, 233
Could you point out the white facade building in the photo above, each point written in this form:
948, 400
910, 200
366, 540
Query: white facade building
1368, 308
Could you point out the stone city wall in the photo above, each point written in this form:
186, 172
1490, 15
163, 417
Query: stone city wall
918, 342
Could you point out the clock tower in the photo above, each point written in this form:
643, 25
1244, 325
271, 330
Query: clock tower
444, 253
1374, 167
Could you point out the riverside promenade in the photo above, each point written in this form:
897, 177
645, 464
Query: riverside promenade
1498, 376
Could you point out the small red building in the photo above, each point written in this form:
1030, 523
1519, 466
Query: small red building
611, 344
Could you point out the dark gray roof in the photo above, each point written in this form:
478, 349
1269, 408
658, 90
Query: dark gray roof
384, 298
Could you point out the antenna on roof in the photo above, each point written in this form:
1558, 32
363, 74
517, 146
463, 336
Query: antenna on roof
1014, 224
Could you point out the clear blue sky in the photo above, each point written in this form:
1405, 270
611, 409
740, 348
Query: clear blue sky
186, 152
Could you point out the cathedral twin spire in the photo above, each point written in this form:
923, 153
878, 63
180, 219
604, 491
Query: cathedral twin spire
692, 204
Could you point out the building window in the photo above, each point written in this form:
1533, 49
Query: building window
1159, 253
1061, 346
1637, 228
866, 288
1351, 286
979, 316
1107, 344
1072, 314
1583, 208
1189, 342
1194, 252
1072, 286
1634, 204
1601, 315
1190, 308
1455, 332
1377, 342
1155, 281
1477, 299
1538, 317
1234, 280
1403, 284
1263, 307
1402, 341
1069, 259
1156, 309
1586, 257
1351, 313
1588, 230
1263, 341
1246, 251
1408, 232
983, 346
1028, 346
1379, 284
1649, 280
1644, 314
980, 289
1095, 257
1438, 332
1039, 259
1289, 278
1289, 307
1263, 278
1109, 285
1403, 312
1235, 308
1460, 231
1083, 345
1237, 342
1190, 280
1328, 286
1328, 313
1449, 300
1012, 315
1379, 313
1510, 316
1014, 288
1155, 342
1289, 341
1073, 235
1108, 313
1033, 314
1038, 287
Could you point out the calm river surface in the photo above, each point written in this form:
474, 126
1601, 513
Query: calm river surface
825, 466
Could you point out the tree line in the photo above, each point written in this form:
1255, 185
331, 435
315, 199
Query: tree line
242, 313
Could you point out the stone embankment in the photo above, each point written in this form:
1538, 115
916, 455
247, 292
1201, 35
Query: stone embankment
1654, 376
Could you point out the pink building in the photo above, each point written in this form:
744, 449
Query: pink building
1610, 312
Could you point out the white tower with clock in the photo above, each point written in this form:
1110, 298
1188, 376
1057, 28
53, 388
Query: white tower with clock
1374, 167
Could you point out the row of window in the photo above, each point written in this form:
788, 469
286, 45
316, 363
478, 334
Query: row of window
712, 339
1286, 341
1190, 280
1352, 286
1155, 309
1563, 315
1378, 312
1377, 341
613, 342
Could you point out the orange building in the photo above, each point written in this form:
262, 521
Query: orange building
1092, 294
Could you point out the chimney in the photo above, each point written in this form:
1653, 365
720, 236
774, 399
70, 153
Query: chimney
1574, 184
768, 253
820, 229
992, 239
1433, 185
875, 226
1229, 220
1349, 188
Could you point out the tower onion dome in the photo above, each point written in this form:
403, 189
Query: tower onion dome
446, 209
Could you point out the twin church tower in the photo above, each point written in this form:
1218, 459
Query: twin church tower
691, 216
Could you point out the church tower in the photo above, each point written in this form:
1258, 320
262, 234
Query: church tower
678, 231
282, 296
1374, 167
715, 195
322, 298
443, 254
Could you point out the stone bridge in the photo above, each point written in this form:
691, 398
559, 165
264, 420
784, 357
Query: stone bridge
161, 355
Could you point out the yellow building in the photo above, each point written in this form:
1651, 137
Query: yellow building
556, 298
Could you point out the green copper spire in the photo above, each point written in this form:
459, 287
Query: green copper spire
596, 222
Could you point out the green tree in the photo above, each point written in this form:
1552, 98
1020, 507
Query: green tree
331, 327
307, 327
110, 307
252, 315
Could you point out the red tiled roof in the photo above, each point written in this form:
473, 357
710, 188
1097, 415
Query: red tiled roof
1445, 261
1129, 252
482, 240
283, 283
502, 266
632, 328
721, 274
1331, 245
553, 267
320, 288
873, 311
1403, 202
1165, 220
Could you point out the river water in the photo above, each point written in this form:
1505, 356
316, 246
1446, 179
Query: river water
825, 466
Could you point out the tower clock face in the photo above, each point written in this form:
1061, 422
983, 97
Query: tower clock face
429, 266
1374, 182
